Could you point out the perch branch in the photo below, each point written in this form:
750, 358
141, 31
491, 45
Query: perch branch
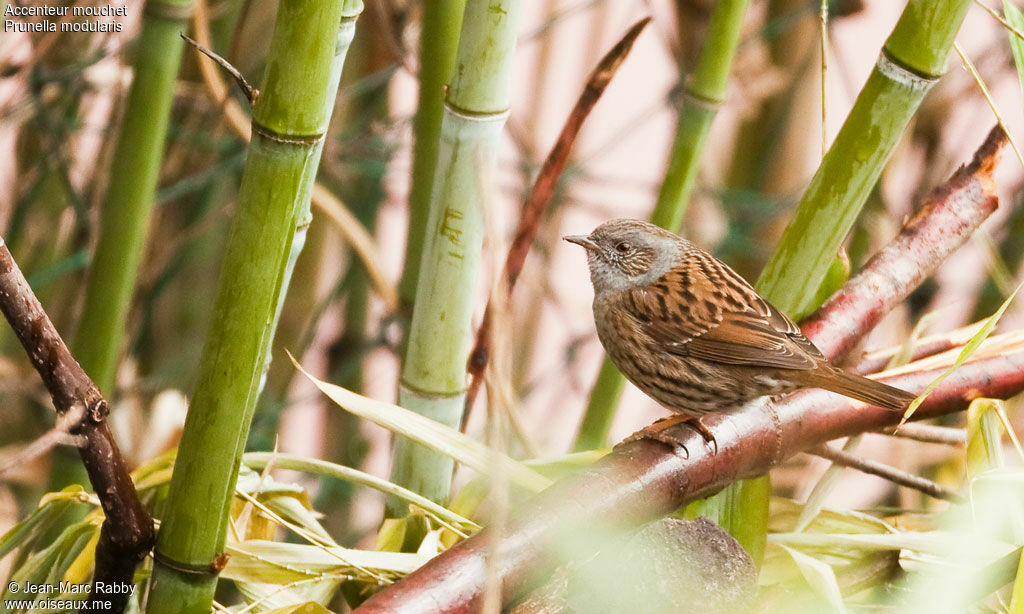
127, 534
643, 480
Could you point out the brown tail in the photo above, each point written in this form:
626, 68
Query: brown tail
861, 388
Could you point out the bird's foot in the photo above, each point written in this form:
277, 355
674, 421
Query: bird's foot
659, 431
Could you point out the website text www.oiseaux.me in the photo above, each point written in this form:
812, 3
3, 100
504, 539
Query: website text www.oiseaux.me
63, 595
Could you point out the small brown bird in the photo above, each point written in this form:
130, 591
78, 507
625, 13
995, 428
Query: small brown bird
695, 336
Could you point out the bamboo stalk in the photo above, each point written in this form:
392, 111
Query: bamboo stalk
364, 191
911, 61
704, 93
290, 120
439, 37
433, 379
124, 217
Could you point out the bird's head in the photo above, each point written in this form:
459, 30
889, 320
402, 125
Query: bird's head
626, 253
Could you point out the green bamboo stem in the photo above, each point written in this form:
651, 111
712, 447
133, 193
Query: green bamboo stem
364, 191
604, 398
290, 120
912, 60
304, 214
705, 92
433, 379
442, 20
124, 217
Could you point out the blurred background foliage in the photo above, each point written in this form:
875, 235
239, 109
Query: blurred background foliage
62, 100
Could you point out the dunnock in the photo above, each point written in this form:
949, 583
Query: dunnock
694, 335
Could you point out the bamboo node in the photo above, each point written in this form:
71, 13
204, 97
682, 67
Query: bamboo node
475, 116
212, 569
290, 139
428, 394
893, 70
711, 104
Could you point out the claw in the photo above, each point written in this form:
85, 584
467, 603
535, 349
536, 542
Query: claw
657, 432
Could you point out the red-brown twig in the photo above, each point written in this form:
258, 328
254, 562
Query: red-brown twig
127, 533
540, 196
642, 480
948, 217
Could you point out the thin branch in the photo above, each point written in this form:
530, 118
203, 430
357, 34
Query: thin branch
127, 533
70, 420
1000, 19
251, 93
930, 433
969, 65
541, 194
888, 472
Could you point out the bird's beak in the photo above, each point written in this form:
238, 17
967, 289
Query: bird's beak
582, 240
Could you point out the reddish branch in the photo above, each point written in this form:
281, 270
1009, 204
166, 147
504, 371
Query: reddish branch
127, 532
643, 480
541, 194
948, 217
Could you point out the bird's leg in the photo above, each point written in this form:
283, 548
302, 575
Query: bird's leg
657, 431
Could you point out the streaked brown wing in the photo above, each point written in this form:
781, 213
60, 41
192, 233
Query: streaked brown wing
711, 313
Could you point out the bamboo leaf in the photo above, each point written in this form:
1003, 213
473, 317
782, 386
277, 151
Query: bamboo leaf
820, 576
1015, 18
1017, 596
984, 437
265, 561
310, 607
938, 543
438, 437
28, 530
965, 353
258, 460
786, 512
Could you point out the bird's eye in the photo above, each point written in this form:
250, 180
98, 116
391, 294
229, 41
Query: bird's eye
623, 247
